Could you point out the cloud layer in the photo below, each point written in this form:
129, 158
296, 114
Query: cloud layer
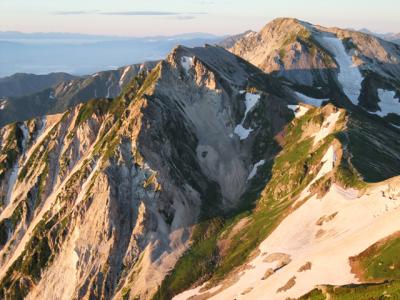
179, 15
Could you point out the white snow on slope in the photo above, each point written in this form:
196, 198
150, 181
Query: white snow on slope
86, 183
108, 84
327, 127
328, 161
388, 103
242, 132
255, 167
298, 110
187, 62
51, 96
25, 133
250, 101
3, 103
327, 245
14, 173
11, 183
310, 100
121, 80
349, 75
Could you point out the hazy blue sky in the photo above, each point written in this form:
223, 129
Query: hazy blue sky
152, 17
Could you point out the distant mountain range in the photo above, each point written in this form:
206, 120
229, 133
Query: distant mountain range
391, 37
25, 96
17, 35
78, 54
21, 84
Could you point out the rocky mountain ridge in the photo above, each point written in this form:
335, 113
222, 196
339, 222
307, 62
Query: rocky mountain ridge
68, 93
21, 84
194, 181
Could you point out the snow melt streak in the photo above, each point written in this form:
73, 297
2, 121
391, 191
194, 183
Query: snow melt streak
250, 101
126, 70
254, 170
187, 63
349, 75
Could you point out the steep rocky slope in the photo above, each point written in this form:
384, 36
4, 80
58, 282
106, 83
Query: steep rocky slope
209, 178
106, 194
58, 97
321, 207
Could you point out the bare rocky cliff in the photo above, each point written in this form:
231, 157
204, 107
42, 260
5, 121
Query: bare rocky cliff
106, 193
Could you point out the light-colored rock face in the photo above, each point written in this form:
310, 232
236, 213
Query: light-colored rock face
289, 44
112, 188
282, 48
342, 65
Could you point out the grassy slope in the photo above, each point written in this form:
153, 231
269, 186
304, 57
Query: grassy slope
386, 290
203, 261
381, 261
289, 177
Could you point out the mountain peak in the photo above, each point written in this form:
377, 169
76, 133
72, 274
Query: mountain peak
284, 23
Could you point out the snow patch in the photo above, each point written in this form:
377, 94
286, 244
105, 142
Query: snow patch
108, 84
187, 62
254, 170
328, 162
51, 96
298, 110
250, 101
11, 184
242, 132
3, 103
124, 73
327, 127
388, 103
349, 75
25, 133
85, 185
309, 100
14, 173
326, 247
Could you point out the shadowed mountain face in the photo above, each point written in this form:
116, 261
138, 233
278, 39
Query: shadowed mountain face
20, 84
67, 93
205, 176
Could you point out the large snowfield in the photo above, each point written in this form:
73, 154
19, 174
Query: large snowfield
349, 75
313, 244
